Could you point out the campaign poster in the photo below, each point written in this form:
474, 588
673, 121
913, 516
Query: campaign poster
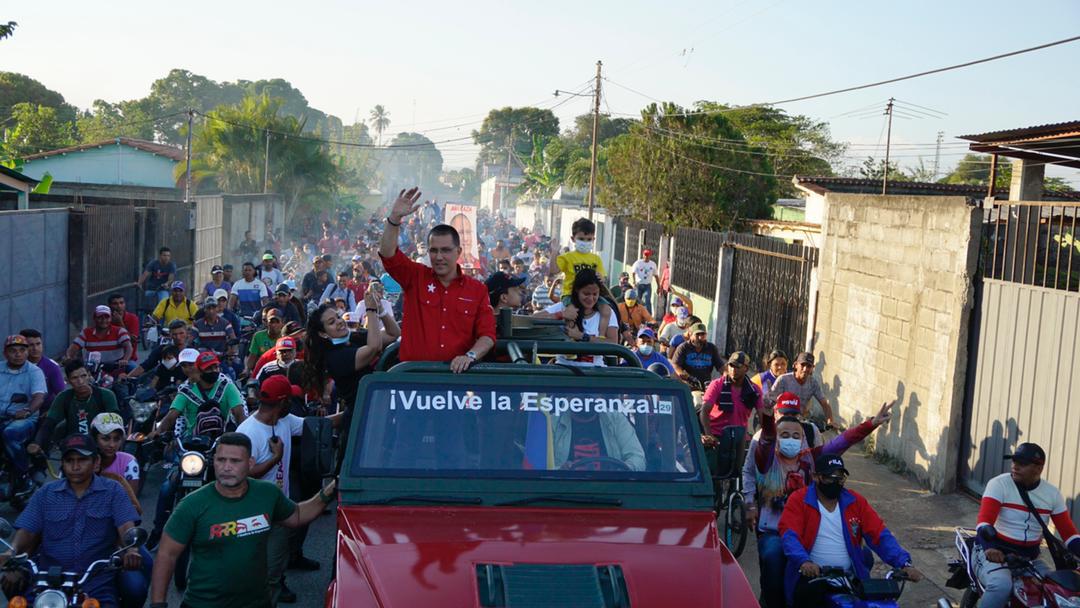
463, 219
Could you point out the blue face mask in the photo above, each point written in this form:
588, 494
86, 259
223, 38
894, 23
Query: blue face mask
789, 447
339, 341
645, 349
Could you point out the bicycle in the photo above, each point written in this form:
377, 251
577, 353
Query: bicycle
726, 459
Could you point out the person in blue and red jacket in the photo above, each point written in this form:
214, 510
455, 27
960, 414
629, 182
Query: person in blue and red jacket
824, 525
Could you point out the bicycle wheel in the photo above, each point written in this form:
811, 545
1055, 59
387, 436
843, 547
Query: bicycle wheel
735, 524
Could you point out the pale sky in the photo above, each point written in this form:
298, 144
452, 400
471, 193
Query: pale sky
437, 65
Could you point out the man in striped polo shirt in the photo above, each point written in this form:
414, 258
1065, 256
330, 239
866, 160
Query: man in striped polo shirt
212, 332
111, 342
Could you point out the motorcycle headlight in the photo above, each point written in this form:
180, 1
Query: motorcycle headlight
50, 598
192, 463
1067, 602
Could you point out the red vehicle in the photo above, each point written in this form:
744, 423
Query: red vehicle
525, 485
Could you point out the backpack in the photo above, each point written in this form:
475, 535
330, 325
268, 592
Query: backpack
316, 447
208, 419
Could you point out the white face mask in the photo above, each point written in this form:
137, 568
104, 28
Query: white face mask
168, 363
583, 246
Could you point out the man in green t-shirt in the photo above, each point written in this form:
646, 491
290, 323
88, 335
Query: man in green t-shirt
205, 382
75, 407
264, 339
227, 526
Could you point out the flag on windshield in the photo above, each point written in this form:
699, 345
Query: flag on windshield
539, 444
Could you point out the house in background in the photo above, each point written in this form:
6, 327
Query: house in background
120, 168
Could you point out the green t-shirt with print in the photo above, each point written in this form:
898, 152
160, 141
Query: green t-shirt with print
260, 343
78, 414
228, 540
230, 398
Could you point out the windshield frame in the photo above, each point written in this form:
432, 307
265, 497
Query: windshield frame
693, 492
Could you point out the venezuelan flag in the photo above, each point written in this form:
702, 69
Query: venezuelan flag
539, 442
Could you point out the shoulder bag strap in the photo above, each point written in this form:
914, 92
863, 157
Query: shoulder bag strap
1063, 559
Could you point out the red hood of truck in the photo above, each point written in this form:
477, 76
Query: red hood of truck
427, 556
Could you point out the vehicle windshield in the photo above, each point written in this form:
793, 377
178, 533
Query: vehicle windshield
519, 432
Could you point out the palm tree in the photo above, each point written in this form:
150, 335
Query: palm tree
380, 119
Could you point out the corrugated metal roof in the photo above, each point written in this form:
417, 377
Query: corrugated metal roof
170, 152
859, 185
1047, 130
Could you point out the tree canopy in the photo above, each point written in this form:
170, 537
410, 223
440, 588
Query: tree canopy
519, 125
410, 159
38, 128
667, 168
18, 88
228, 154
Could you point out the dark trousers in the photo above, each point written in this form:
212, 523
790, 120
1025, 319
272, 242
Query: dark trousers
771, 562
811, 595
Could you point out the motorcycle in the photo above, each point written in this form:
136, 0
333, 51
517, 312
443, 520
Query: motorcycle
194, 472
145, 407
863, 593
1057, 589
16, 487
54, 588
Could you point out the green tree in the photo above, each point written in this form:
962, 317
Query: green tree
106, 120
661, 171
548, 166
974, 169
37, 129
17, 88
380, 120
607, 128
411, 159
7, 29
518, 125
464, 181
874, 168
795, 144
358, 164
228, 153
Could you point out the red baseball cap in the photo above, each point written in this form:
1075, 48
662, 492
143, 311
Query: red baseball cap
286, 342
275, 388
788, 403
205, 360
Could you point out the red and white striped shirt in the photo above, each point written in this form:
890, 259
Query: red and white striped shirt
1003, 508
110, 344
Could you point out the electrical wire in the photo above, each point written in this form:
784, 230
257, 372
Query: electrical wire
896, 79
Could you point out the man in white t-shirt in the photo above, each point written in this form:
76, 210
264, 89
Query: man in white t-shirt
644, 275
271, 429
1007, 525
249, 294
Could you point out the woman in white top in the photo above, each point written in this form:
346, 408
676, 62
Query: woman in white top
582, 317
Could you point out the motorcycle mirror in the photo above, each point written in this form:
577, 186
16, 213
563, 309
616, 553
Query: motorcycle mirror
136, 537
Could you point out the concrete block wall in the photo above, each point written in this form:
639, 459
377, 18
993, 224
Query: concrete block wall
34, 275
893, 321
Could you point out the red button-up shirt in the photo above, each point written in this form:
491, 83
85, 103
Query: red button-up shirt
439, 323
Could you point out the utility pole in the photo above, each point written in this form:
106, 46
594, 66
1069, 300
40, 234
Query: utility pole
595, 136
888, 142
937, 153
266, 163
506, 184
187, 171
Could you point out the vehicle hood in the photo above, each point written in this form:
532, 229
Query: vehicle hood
428, 556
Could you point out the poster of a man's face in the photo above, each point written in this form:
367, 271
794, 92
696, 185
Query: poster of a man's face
463, 219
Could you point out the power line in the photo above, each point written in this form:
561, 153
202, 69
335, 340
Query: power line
896, 79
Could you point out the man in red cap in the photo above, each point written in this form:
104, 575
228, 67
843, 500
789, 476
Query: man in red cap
209, 385
271, 429
644, 275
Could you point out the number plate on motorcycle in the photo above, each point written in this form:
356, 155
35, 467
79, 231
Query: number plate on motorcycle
191, 483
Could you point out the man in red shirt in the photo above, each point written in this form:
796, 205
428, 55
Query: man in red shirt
128, 320
112, 342
446, 315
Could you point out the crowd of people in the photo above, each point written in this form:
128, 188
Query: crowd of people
294, 333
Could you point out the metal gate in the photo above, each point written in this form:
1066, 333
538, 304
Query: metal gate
770, 295
1024, 362
209, 234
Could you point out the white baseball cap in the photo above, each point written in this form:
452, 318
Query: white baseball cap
107, 422
188, 355
220, 293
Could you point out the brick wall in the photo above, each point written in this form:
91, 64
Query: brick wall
894, 304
